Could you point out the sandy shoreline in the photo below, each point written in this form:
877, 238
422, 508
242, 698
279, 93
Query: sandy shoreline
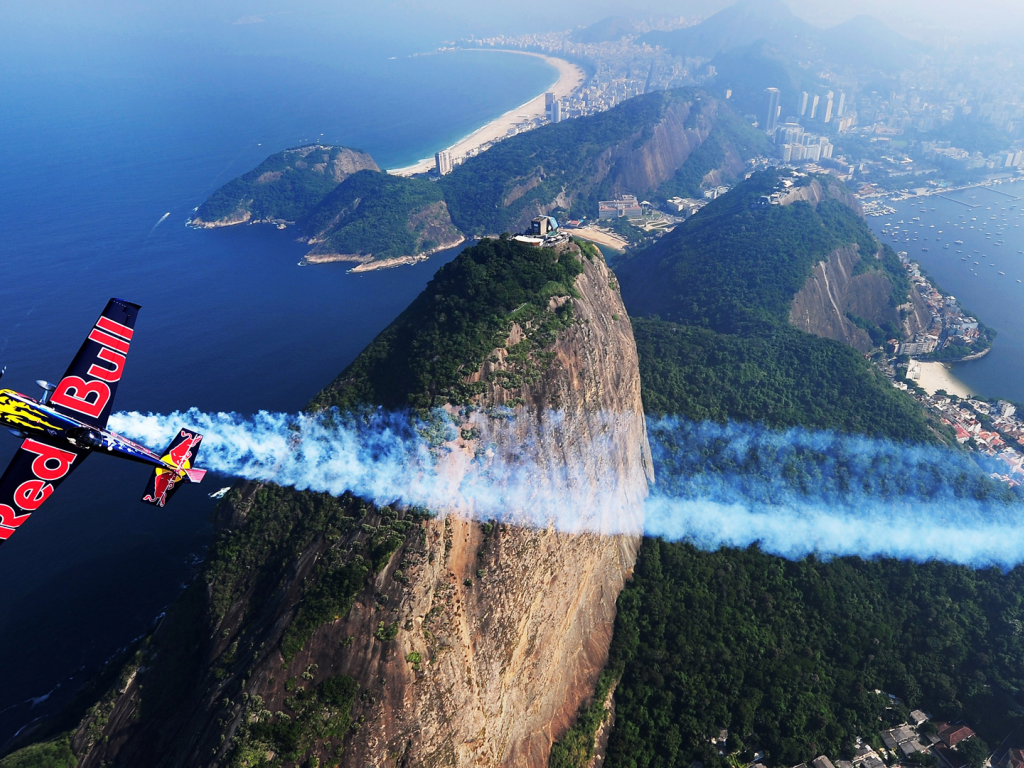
600, 236
570, 77
931, 377
369, 264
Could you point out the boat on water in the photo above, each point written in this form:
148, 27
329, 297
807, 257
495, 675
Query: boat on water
1002, 273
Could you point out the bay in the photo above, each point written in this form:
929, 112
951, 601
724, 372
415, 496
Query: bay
985, 271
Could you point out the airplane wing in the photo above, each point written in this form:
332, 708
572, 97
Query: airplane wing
36, 469
87, 390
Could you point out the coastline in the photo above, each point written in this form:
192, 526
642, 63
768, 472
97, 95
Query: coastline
570, 77
932, 377
368, 264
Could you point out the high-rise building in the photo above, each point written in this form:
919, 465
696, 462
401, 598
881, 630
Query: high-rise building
841, 107
444, 162
789, 133
814, 106
827, 117
556, 112
804, 97
771, 100
549, 99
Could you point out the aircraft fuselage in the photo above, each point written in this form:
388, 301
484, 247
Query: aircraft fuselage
28, 417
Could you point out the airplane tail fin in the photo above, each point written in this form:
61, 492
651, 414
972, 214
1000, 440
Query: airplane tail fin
180, 454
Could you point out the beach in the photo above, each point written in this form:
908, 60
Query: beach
601, 237
931, 377
570, 77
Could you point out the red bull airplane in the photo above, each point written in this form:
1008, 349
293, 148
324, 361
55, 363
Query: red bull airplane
69, 422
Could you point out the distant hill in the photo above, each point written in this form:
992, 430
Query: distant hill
737, 264
372, 217
284, 187
862, 43
866, 40
748, 70
661, 143
719, 291
604, 31
742, 23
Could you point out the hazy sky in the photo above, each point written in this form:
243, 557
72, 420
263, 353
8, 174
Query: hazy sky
402, 22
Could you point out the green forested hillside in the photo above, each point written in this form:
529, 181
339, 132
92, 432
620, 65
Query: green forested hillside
786, 654
730, 134
466, 311
285, 186
373, 213
736, 266
783, 378
491, 192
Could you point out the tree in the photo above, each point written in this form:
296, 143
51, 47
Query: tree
974, 751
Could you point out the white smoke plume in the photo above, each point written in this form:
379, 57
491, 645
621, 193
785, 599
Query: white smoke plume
793, 492
391, 458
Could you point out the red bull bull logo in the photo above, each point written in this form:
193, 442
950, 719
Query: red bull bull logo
91, 396
179, 456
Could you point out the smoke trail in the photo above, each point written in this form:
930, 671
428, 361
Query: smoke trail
391, 458
797, 492
793, 493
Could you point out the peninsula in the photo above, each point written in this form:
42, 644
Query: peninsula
570, 77
346, 209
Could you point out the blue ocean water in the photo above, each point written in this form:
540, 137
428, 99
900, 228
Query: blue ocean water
94, 153
985, 271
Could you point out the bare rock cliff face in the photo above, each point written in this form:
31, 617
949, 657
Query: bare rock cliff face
833, 292
513, 623
345, 163
475, 644
819, 190
670, 145
637, 165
